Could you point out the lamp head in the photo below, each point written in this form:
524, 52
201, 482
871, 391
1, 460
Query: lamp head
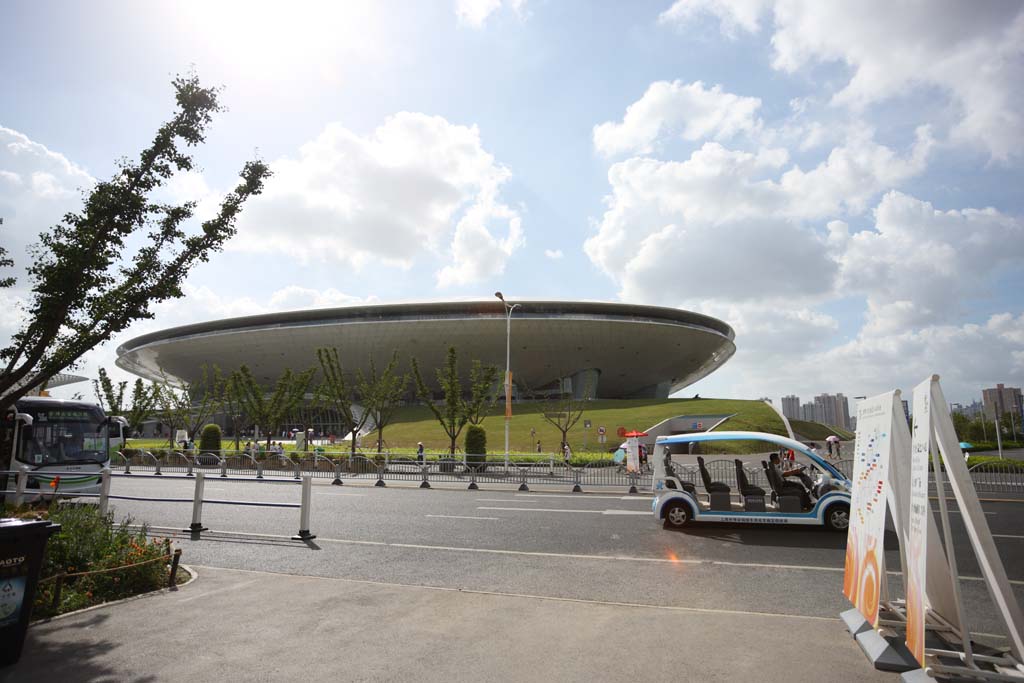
498, 294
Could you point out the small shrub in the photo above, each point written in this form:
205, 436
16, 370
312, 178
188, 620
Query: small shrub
209, 440
476, 446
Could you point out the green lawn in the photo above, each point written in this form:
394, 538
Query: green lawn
816, 430
416, 423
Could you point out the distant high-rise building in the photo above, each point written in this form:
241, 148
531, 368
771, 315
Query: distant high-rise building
765, 399
834, 410
791, 407
1001, 400
906, 410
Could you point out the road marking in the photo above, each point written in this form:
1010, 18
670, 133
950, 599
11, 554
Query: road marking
595, 512
579, 496
326, 493
957, 512
533, 553
502, 500
625, 512
462, 517
1007, 536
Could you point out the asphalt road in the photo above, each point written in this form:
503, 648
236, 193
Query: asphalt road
596, 547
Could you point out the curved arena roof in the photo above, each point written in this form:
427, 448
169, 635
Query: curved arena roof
638, 351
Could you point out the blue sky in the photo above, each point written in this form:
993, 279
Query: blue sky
840, 182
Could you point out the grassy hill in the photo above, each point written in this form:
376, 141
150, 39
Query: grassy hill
816, 430
415, 423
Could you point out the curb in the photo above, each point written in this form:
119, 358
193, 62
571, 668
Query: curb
193, 575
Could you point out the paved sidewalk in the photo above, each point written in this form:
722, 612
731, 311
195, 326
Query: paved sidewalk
231, 625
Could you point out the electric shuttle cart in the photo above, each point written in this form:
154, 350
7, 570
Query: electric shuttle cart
819, 494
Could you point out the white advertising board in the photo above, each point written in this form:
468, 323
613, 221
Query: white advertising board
864, 577
633, 454
917, 527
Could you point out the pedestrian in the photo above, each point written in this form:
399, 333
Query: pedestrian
419, 451
566, 453
533, 432
643, 458
538, 446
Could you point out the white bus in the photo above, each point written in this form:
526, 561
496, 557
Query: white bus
53, 435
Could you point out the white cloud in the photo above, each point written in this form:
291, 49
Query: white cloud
474, 13
692, 111
418, 184
553, 254
971, 52
919, 264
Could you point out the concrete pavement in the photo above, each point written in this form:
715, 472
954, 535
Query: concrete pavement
233, 625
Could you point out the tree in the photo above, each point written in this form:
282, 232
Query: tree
482, 380
231, 402
140, 406
189, 406
270, 410
563, 410
382, 394
336, 393
87, 284
456, 410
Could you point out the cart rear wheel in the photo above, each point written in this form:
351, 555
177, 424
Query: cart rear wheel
837, 517
677, 514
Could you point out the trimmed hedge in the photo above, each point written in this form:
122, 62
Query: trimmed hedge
210, 439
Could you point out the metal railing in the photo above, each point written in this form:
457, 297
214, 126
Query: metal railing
24, 474
998, 477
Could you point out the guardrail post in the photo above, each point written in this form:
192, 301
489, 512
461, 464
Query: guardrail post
380, 473
224, 467
425, 484
197, 506
22, 482
298, 470
188, 472
156, 462
632, 482
104, 490
472, 479
576, 488
337, 473
172, 581
259, 469
127, 463
522, 479
307, 491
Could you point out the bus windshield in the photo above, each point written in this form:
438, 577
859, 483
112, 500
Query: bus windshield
59, 434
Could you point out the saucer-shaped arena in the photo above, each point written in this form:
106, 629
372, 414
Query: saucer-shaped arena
605, 350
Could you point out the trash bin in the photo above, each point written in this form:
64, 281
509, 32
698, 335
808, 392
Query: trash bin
22, 543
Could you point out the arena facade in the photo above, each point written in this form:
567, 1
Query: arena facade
604, 350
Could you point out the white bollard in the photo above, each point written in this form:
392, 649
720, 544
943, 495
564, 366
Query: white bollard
307, 494
22, 482
104, 490
197, 505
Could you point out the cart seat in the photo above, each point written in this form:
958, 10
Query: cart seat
711, 486
746, 488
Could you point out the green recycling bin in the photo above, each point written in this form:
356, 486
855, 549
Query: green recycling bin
22, 543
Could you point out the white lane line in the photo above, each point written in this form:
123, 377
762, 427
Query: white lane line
594, 512
503, 500
579, 496
174, 531
957, 512
495, 519
1007, 536
328, 493
625, 512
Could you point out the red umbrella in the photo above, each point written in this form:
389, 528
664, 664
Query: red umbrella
635, 433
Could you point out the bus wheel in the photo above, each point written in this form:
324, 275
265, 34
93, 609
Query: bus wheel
677, 515
837, 517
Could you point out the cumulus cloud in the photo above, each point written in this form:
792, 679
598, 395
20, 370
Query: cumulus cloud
692, 111
973, 53
918, 263
37, 187
474, 13
415, 184
553, 254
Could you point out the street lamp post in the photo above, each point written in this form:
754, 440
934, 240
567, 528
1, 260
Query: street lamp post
508, 372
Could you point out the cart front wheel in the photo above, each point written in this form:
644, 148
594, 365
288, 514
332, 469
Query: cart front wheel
677, 515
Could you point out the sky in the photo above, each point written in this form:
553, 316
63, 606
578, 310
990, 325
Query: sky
840, 182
